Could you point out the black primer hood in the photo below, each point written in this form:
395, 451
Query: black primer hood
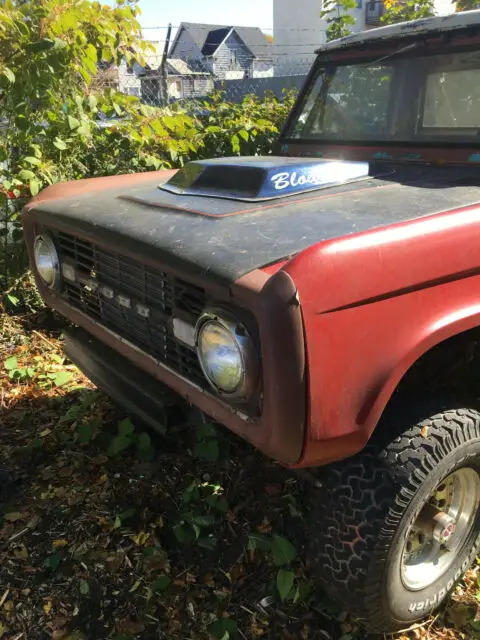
258, 178
220, 238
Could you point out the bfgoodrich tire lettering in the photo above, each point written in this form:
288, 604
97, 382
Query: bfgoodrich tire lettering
360, 521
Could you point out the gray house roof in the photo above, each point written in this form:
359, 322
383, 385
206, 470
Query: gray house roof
208, 37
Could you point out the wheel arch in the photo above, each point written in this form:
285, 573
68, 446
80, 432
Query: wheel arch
448, 347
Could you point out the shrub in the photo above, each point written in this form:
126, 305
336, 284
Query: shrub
55, 124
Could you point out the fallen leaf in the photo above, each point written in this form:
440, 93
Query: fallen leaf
141, 538
47, 607
21, 552
424, 432
273, 489
135, 586
13, 516
62, 377
59, 544
130, 626
65, 472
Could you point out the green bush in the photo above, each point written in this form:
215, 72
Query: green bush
51, 110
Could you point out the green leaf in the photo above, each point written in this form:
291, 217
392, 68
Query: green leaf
223, 629
117, 108
259, 541
73, 123
62, 377
86, 432
92, 52
92, 103
302, 591
32, 160
160, 584
119, 444
217, 502
207, 450
126, 427
284, 583
184, 533
11, 363
85, 75
145, 447
208, 542
34, 186
83, 129
203, 521
170, 122
244, 134
41, 45
84, 588
8, 73
283, 551
144, 441
53, 562
17, 234
158, 128
26, 174
235, 140
60, 144
12, 299
206, 430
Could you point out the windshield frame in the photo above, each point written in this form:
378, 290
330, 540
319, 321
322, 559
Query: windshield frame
406, 48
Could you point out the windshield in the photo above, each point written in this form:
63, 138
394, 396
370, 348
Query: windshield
431, 98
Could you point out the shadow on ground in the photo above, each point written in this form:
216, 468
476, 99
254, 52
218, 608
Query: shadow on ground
145, 537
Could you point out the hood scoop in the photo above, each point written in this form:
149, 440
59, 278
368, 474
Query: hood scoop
257, 178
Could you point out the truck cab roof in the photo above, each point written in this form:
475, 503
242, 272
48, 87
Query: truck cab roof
435, 24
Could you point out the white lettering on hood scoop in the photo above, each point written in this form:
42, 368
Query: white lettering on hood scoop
262, 178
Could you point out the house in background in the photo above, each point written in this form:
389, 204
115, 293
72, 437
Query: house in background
184, 81
298, 32
227, 52
129, 81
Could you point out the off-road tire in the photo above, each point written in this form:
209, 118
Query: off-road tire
361, 517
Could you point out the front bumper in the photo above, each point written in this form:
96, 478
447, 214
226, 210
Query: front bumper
142, 396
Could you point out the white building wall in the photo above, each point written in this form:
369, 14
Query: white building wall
297, 32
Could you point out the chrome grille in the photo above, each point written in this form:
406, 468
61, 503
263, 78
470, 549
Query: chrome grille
134, 300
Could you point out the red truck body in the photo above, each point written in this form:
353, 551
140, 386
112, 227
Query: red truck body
397, 277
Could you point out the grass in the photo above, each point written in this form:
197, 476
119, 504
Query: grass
107, 531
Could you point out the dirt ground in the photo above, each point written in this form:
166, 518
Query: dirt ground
110, 531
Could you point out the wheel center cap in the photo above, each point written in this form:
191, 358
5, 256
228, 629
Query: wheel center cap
444, 527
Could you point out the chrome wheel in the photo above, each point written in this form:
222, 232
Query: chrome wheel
440, 529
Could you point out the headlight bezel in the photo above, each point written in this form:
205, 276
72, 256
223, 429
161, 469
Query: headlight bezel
48, 242
242, 337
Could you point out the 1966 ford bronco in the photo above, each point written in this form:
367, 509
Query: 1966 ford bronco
322, 302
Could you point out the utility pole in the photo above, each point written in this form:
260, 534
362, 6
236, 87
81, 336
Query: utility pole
163, 69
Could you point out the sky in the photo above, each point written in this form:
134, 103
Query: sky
158, 13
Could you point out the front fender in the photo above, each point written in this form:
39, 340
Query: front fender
372, 305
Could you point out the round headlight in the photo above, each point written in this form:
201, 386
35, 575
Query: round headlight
46, 260
227, 354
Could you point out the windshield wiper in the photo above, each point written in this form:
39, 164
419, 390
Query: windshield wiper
412, 45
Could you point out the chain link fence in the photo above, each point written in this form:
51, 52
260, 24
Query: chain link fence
199, 60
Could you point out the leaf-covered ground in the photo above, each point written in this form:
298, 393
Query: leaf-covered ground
107, 531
